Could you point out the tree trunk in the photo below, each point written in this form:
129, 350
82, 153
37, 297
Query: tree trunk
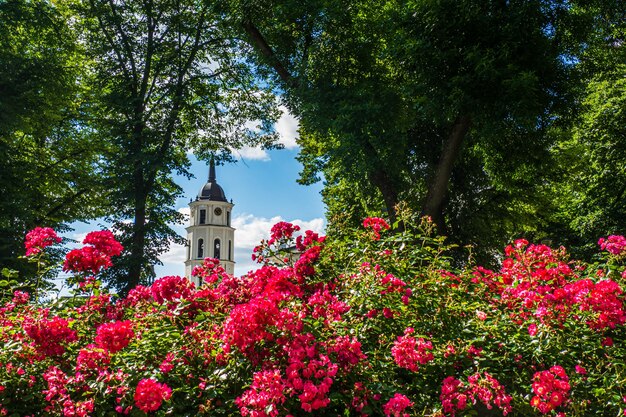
438, 188
379, 177
138, 242
381, 180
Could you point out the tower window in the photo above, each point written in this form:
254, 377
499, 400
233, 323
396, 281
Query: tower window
216, 249
202, 216
200, 248
228, 218
230, 250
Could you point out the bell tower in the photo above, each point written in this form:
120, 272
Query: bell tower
210, 234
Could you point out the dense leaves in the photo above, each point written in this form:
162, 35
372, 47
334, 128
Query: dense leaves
595, 155
100, 104
49, 161
443, 104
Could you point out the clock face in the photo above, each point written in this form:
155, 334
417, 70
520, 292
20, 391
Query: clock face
217, 211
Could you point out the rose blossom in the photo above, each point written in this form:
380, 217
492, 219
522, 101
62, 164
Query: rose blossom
150, 394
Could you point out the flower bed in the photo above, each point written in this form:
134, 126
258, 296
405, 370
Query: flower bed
379, 324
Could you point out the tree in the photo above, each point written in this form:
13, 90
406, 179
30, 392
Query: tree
49, 160
169, 79
444, 104
591, 189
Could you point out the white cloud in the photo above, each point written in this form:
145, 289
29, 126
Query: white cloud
174, 259
251, 230
248, 152
287, 128
175, 255
79, 237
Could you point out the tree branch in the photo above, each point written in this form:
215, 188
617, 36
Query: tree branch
143, 98
125, 41
176, 102
381, 179
109, 38
265, 50
64, 203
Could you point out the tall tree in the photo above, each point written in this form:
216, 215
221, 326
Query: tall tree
441, 103
170, 80
48, 160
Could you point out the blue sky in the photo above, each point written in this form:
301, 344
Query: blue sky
263, 187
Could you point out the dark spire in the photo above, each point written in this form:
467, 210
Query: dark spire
211, 190
212, 171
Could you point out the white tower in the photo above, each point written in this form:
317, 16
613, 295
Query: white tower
210, 234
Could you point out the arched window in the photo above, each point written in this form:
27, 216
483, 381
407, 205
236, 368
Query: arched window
216, 249
200, 248
202, 216
228, 218
230, 250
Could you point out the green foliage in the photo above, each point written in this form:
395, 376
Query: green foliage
38, 66
8, 283
592, 202
590, 182
167, 79
50, 163
381, 88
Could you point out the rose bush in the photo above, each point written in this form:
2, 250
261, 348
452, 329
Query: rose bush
378, 324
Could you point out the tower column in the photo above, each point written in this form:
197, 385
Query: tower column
210, 234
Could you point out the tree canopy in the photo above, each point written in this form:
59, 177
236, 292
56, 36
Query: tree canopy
103, 101
447, 105
49, 162
170, 80
590, 189
476, 113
